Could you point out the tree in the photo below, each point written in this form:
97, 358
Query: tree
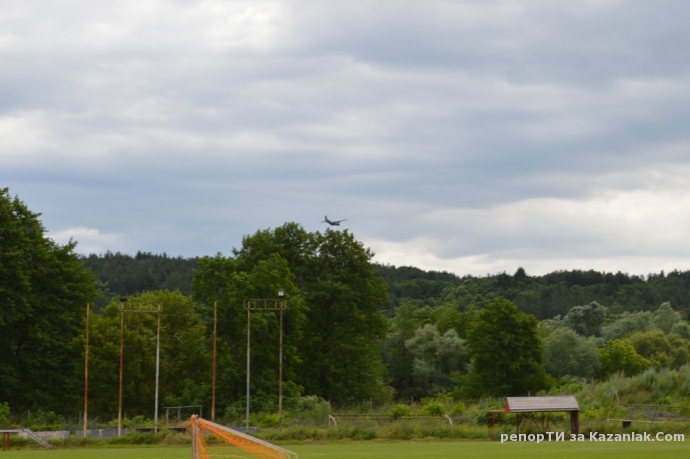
342, 331
665, 317
4, 413
396, 356
44, 289
682, 329
506, 352
435, 358
587, 320
568, 354
653, 346
626, 324
661, 350
619, 355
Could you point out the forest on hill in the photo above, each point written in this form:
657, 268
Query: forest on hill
353, 330
124, 275
544, 296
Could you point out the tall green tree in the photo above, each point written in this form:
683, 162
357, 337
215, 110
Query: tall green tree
506, 352
587, 320
568, 354
619, 355
665, 317
44, 289
435, 357
340, 340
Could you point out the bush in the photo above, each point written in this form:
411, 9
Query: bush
433, 409
269, 420
313, 409
400, 411
4, 412
458, 409
45, 420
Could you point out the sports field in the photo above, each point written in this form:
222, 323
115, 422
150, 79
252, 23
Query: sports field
374, 450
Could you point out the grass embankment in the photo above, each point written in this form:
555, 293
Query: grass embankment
403, 450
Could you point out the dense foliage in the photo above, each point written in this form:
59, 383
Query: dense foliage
43, 294
125, 275
506, 352
334, 329
544, 296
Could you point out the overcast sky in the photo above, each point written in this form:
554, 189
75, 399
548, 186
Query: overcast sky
468, 136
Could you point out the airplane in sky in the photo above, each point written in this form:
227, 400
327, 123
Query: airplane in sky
332, 223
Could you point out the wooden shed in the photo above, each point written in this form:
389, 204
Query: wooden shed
536, 412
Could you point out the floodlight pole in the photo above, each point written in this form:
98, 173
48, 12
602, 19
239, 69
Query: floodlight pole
249, 320
122, 346
86, 370
281, 295
149, 308
158, 365
213, 382
278, 305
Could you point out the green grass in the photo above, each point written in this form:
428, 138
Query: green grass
415, 449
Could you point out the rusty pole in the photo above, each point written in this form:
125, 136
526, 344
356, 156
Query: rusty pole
249, 319
86, 370
280, 371
122, 348
281, 304
213, 382
158, 366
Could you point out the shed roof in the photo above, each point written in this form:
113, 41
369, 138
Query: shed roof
555, 403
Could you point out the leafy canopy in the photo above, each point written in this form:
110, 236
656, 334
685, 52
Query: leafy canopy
506, 352
334, 297
44, 289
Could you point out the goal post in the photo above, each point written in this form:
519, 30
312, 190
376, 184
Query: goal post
256, 448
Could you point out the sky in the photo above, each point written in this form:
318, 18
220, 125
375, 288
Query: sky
469, 136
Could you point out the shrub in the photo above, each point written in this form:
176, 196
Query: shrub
4, 412
433, 409
269, 420
458, 409
400, 411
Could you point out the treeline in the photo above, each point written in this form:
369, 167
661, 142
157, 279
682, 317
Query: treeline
544, 296
352, 330
124, 275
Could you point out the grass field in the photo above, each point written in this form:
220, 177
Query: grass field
376, 450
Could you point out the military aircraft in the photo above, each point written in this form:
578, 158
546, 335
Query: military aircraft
332, 223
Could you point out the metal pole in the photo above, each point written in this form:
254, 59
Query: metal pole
280, 371
122, 347
86, 371
213, 382
158, 364
249, 318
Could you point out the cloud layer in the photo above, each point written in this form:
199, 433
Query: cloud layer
472, 136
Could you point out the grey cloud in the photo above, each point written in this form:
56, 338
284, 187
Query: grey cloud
181, 126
